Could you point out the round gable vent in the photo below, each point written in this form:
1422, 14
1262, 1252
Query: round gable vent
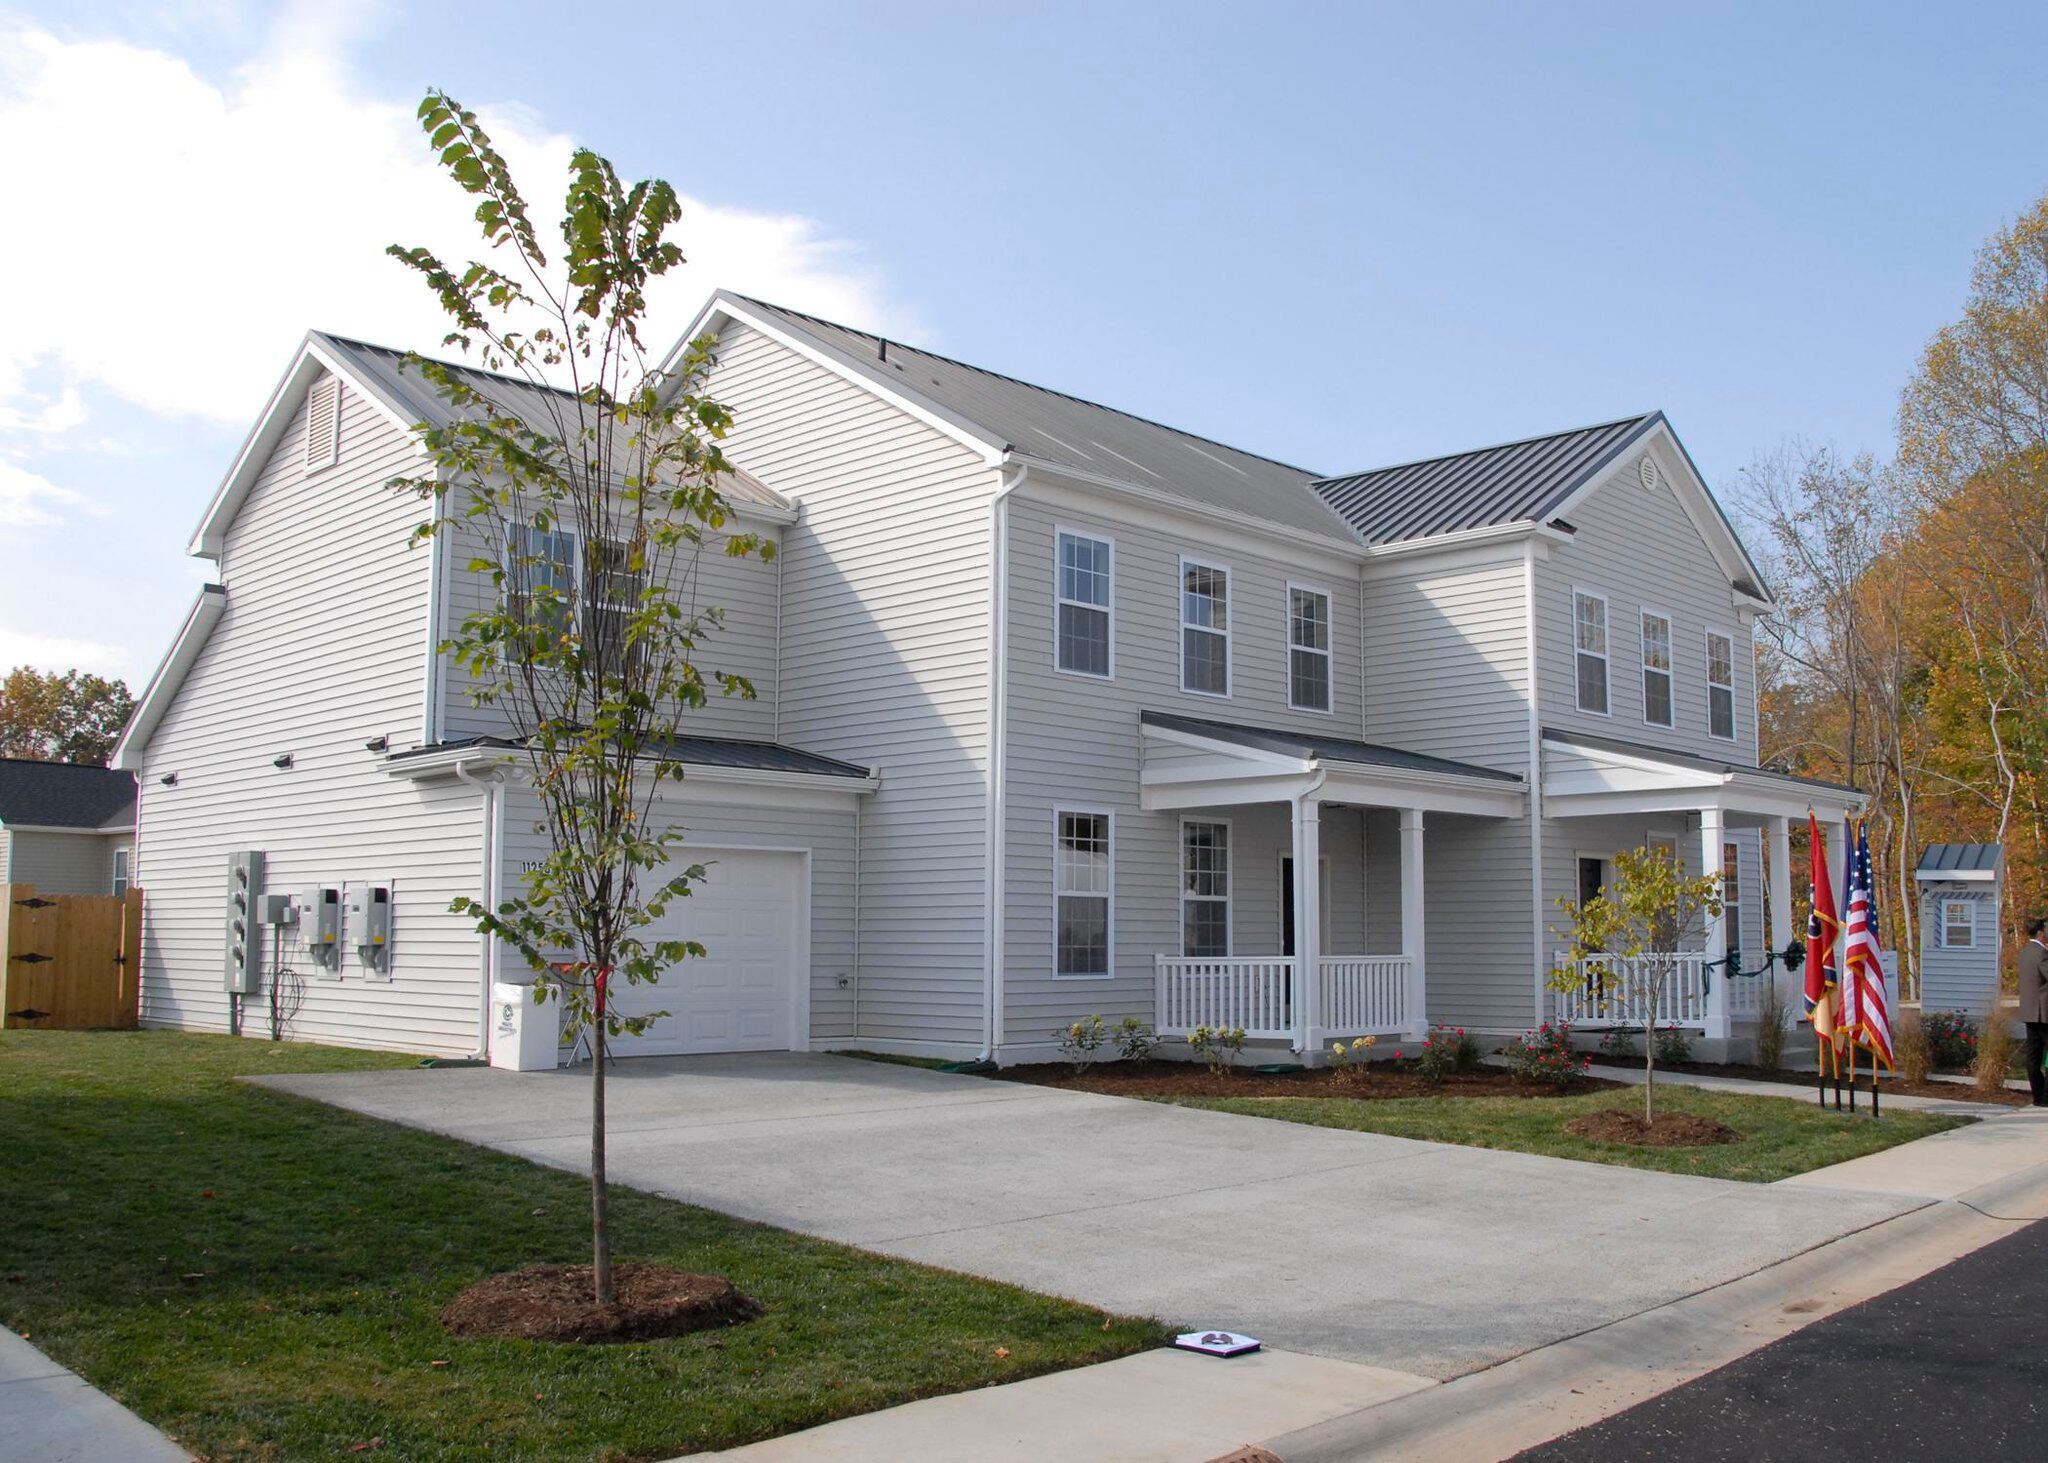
1647, 471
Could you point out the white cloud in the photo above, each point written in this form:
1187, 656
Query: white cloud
61, 653
28, 499
45, 417
185, 233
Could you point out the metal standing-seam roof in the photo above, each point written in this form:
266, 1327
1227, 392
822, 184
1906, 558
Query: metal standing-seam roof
65, 795
691, 752
1959, 858
1067, 431
1322, 748
1515, 482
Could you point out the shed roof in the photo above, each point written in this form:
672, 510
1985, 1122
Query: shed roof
694, 751
1959, 858
65, 795
1322, 748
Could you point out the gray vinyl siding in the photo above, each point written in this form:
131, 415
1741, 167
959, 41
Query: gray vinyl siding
1637, 547
744, 643
321, 647
1952, 979
827, 834
884, 662
60, 863
1074, 742
1446, 672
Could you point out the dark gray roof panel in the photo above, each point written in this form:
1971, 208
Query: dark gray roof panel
1327, 749
694, 752
1516, 482
63, 795
1678, 758
1067, 431
1959, 858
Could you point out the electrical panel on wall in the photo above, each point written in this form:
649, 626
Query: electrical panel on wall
369, 925
244, 969
319, 921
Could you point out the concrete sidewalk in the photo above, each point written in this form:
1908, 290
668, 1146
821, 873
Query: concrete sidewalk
55, 1416
1749, 1087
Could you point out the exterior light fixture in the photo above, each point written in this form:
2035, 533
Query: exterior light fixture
376, 744
283, 760
169, 779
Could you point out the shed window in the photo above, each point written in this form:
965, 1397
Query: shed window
1589, 619
1083, 634
323, 423
1656, 669
1720, 685
1083, 881
1958, 924
1308, 649
1204, 888
1204, 628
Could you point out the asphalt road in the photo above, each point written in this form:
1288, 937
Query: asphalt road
1953, 1366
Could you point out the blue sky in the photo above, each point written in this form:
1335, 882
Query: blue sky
1340, 235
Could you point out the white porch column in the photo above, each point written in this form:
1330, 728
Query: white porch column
1308, 918
1412, 922
1711, 838
1781, 889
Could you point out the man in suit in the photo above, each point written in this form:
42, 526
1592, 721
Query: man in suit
2034, 1004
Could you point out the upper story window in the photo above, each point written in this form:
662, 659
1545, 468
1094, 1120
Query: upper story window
1958, 924
1589, 631
1656, 669
1204, 628
323, 423
1083, 882
614, 594
1204, 888
540, 575
1082, 638
1308, 649
1720, 685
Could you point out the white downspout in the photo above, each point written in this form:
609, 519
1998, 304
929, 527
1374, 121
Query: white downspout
490, 785
998, 707
430, 715
1535, 783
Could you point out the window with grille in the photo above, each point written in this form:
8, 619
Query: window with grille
540, 577
1083, 877
1204, 888
1958, 924
1083, 570
1308, 649
1204, 628
1656, 669
1720, 685
1589, 621
613, 583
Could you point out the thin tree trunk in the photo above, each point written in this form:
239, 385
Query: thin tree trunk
600, 1205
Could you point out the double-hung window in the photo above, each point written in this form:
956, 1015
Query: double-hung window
613, 581
1656, 669
1731, 891
1720, 685
1204, 628
1083, 884
123, 862
1308, 649
1082, 636
1204, 888
540, 577
1958, 924
1589, 633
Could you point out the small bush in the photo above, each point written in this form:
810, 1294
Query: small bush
1447, 1049
1545, 1055
1218, 1047
1618, 1043
1772, 1014
1910, 1049
1079, 1042
1135, 1041
1673, 1045
1351, 1063
1951, 1039
1995, 1052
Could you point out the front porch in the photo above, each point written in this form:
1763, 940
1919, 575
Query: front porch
1318, 987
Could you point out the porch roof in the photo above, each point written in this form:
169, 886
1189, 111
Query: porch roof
1586, 775
1194, 762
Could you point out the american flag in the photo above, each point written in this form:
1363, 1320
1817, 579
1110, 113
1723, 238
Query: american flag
1864, 1015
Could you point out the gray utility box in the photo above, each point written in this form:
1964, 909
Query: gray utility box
1960, 885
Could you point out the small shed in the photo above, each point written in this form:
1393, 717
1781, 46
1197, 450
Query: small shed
1959, 931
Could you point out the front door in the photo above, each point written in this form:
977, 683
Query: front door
1287, 904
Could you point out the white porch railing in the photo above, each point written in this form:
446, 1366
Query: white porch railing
1613, 990
1356, 995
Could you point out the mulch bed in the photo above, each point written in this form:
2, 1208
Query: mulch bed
1668, 1130
1379, 1081
553, 1303
1891, 1086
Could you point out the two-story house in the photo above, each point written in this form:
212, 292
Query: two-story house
1060, 711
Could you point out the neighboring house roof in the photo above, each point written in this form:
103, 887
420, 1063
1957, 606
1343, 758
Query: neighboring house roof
1677, 758
65, 795
1950, 860
1321, 748
691, 752
1048, 426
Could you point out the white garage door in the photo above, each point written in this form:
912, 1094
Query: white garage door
738, 996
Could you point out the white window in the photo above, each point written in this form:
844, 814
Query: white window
1589, 629
1731, 891
1083, 883
613, 594
540, 576
1204, 628
122, 857
1958, 924
1308, 649
1084, 582
1204, 887
323, 424
1656, 669
1720, 685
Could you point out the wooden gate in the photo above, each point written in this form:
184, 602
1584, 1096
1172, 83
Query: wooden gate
74, 961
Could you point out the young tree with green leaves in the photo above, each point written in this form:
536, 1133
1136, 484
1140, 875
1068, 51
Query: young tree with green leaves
586, 490
74, 716
1649, 905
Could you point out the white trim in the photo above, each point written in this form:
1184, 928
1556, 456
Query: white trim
1328, 653
318, 456
1707, 634
1181, 603
1606, 656
207, 608
1943, 876
1108, 608
1229, 897
123, 832
1533, 780
1281, 859
1108, 815
1670, 671
995, 853
1968, 906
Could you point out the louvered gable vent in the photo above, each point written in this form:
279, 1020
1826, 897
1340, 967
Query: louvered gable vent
323, 423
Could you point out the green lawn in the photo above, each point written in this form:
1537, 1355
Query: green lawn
260, 1276
1781, 1137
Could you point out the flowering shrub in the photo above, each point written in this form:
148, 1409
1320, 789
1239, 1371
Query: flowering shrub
1135, 1040
1349, 1063
1545, 1055
1618, 1043
1445, 1050
1078, 1042
1951, 1039
1673, 1045
1218, 1047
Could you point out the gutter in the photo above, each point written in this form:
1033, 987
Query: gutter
998, 712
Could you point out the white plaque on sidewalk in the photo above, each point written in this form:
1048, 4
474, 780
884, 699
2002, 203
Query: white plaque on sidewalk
1216, 1343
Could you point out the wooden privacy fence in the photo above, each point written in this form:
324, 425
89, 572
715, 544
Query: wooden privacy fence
74, 961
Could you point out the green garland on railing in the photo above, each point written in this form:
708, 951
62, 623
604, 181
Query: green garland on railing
1791, 957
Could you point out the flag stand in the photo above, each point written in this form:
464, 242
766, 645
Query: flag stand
1852, 1076
1820, 1068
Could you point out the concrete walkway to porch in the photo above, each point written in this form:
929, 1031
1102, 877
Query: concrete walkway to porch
55, 1416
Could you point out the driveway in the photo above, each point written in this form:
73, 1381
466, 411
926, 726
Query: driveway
1415, 1256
